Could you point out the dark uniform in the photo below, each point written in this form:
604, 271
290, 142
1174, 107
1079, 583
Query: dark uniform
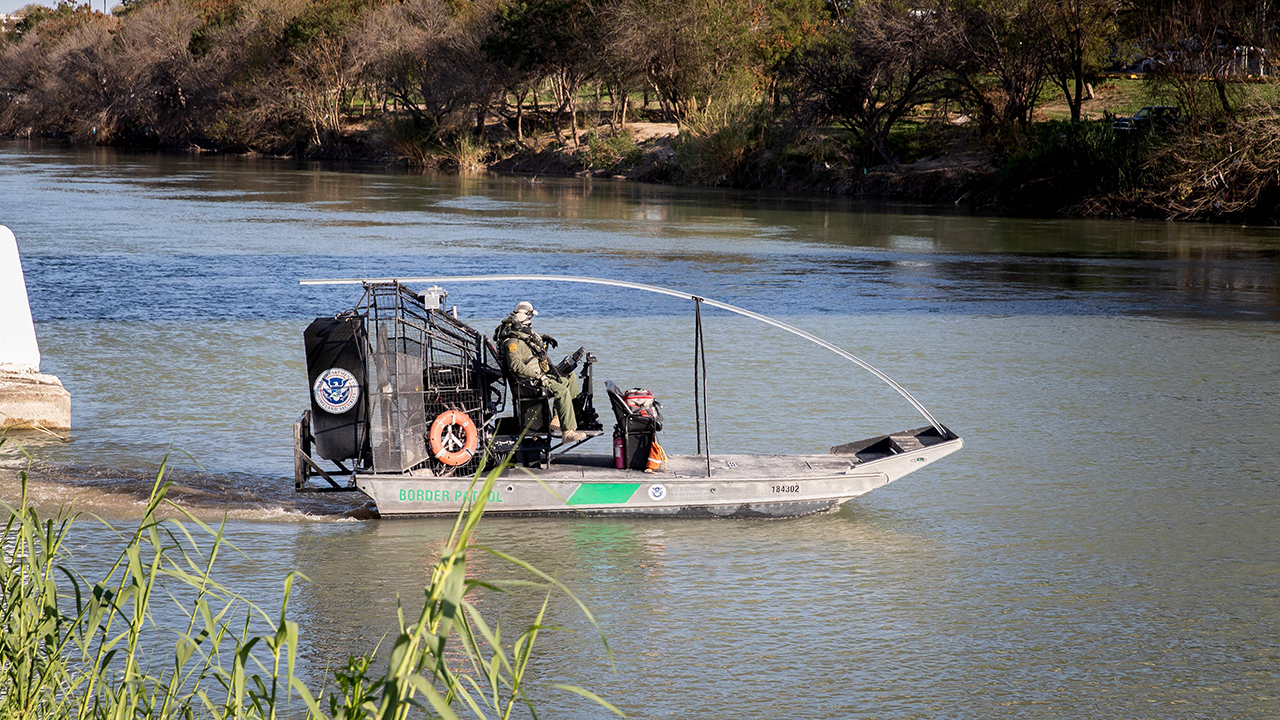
524, 353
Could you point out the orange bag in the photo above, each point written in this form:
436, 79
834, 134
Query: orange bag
657, 458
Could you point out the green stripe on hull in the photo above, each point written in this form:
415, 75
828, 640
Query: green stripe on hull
602, 493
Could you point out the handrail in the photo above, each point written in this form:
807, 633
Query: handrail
445, 280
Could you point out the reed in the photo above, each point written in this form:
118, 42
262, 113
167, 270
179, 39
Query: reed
722, 145
71, 647
466, 152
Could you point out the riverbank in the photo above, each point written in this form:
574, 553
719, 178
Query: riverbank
772, 95
659, 153
1221, 172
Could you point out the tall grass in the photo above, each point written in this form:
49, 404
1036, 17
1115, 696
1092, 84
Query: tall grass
1065, 162
721, 145
72, 647
466, 152
612, 152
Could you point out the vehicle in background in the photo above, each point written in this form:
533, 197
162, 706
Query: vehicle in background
1149, 118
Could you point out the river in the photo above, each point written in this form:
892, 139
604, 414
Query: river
1107, 545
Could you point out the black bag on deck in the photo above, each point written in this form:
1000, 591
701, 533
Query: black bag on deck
639, 421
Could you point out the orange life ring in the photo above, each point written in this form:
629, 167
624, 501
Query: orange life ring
446, 445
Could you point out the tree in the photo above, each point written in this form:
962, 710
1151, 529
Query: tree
55, 23
998, 63
869, 71
781, 29
429, 58
321, 79
557, 40
1191, 41
1078, 34
691, 51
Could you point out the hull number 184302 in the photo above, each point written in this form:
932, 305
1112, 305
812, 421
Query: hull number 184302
785, 488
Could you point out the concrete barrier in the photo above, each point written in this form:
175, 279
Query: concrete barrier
28, 399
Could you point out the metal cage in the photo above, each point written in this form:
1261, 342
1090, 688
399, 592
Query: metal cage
423, 362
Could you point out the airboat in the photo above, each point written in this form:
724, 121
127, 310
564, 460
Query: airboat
409, 403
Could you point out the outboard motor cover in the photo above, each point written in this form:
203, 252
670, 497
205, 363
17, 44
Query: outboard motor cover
336, 375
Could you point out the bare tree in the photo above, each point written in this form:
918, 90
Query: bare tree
78, 88
1194, 41
429, 59
882, 62
691, 51
998, 65
322, 79
1078, 34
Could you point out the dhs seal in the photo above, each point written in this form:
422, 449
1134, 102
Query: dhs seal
657, 492
336, 391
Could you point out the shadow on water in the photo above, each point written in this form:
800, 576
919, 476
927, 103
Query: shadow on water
182, 237
118, 493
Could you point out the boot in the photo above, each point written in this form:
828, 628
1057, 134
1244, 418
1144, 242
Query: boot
573, 436
555, 423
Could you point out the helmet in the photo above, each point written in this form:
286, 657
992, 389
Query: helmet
524, 312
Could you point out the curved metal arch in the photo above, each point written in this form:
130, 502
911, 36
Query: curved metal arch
445, 280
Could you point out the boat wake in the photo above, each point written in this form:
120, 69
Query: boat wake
114, 493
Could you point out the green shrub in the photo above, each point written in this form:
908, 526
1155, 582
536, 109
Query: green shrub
723, 144
1065, 162
612, 152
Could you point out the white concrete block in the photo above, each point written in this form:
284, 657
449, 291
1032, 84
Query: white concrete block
27, 398
18, 349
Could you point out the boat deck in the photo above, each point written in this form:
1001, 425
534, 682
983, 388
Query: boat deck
839, 461
723, 467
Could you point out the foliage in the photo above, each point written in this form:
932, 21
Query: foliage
609, 152
722, 145
691, 53
57, 22
998, 67
1065, 162
407, 78
557, 40
72, 647
1229, 171
786, 27
881, 63
323, 19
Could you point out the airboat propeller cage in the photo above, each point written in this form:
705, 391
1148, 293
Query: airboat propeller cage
445, 280
380, 374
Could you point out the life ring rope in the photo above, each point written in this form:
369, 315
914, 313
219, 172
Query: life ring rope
453, 438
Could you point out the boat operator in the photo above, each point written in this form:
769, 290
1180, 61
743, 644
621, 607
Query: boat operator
524, 353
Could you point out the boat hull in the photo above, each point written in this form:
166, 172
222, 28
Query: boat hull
739, 486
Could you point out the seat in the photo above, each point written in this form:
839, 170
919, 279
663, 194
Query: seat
531, 416
637, 430
629, 420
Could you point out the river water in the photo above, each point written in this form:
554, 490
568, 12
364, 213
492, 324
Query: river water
1107, 545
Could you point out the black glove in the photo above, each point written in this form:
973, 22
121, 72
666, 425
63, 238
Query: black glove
550, 341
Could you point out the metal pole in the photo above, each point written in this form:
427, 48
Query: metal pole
702, 350
697, 346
